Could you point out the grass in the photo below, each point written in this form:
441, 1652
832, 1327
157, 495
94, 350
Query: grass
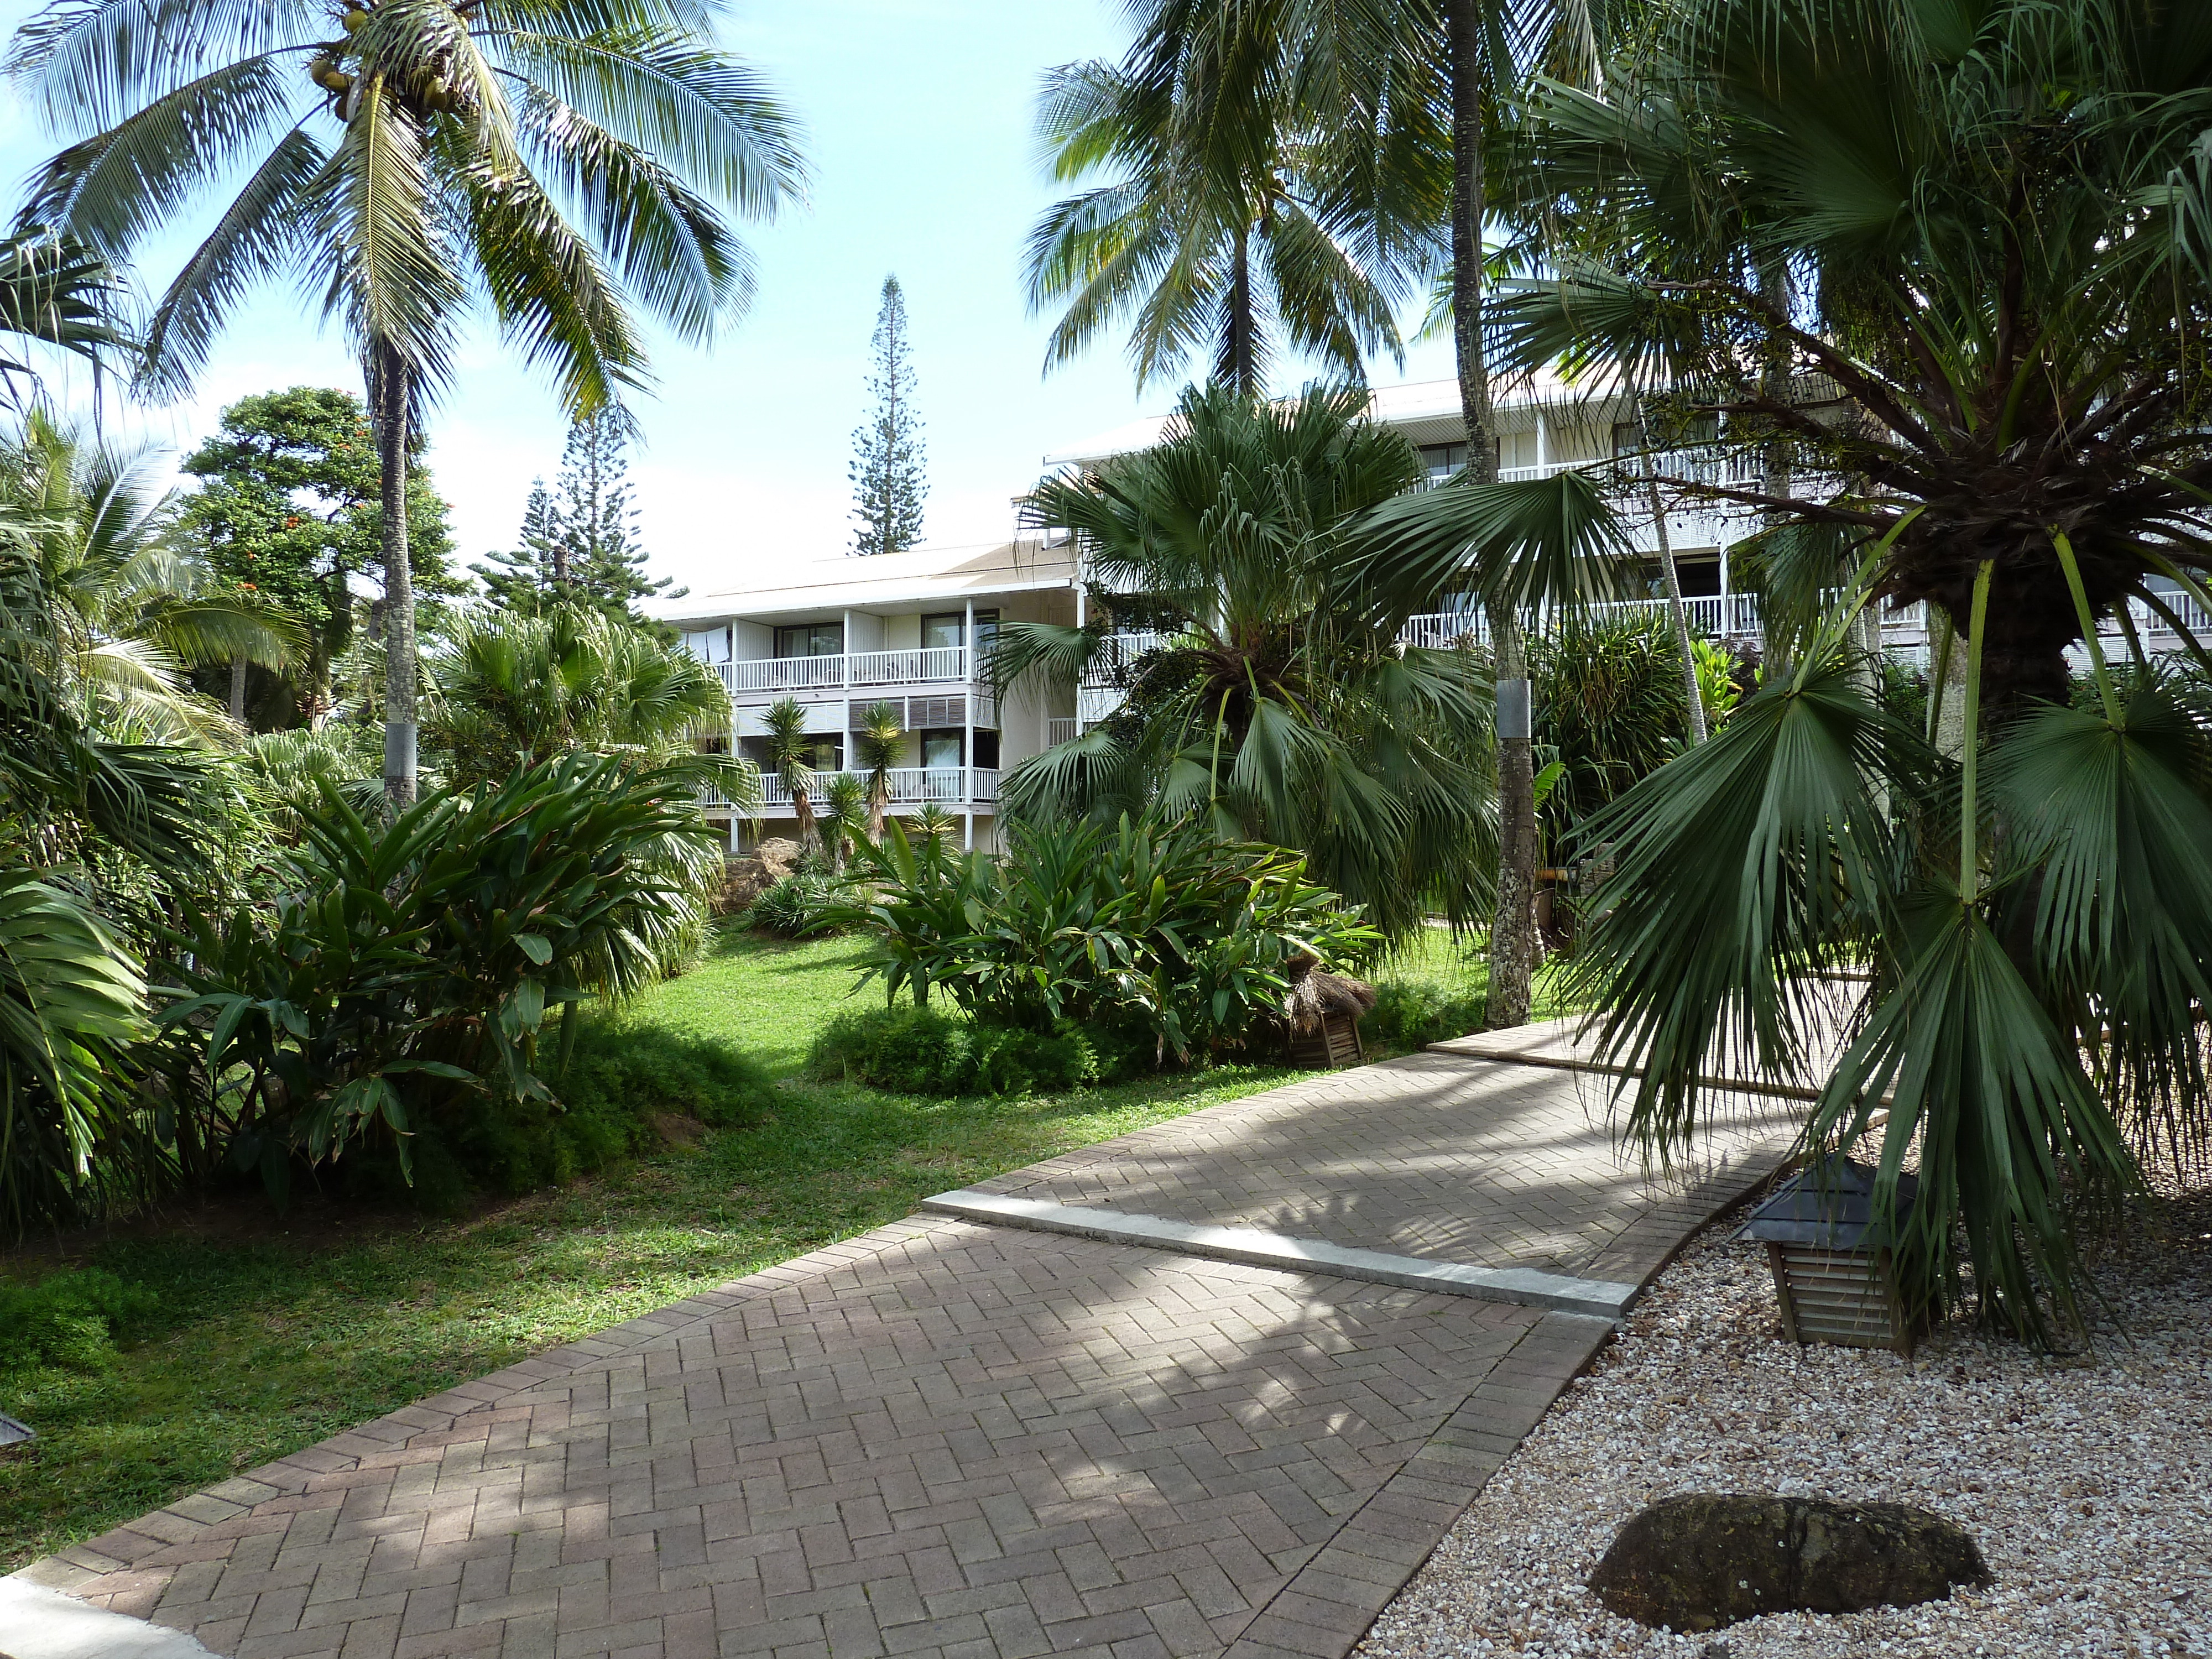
271, 1333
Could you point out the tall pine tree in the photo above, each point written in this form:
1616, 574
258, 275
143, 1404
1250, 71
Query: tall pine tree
522, 581
888, 470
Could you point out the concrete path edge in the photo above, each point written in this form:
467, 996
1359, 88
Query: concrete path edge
1599, 1299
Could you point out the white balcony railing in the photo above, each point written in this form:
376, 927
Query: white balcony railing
1116, 652
910, 785
1062, 728
924, 665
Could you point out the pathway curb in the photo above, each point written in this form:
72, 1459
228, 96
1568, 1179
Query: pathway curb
1599, 1299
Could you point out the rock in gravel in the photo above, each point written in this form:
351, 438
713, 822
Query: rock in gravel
1706, 1560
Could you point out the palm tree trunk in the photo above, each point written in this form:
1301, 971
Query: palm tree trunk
1672, 579
1513, 922
1240, 318
878, 798
388, 399
238, 689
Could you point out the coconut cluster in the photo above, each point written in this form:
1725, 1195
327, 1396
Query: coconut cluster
429, 91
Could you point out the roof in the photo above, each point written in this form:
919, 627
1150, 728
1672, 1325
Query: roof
1426, 411
890, 581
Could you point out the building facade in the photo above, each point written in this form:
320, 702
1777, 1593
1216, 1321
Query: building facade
914, 629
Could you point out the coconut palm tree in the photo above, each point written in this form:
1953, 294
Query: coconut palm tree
1276, 703
876, 747
54, 289
567, 161
1216, 223
1995, 223
791, 752
135, 607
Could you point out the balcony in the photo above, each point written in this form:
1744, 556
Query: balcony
778, 676
910, 785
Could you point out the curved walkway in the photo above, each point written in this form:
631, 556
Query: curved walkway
1219, 1390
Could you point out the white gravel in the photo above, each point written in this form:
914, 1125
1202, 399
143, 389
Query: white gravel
2087, 1482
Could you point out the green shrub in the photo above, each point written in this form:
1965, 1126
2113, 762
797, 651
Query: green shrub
920, 1051
1155, 939
797, 904
67, 1319
397, 996
1409, 1014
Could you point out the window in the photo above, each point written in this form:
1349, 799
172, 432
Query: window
707, 644
942, 632
1442, 461
829, 755
987, 629
826, 639
940, 750
987, 741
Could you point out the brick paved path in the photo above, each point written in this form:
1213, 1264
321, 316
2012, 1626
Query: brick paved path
952, 1440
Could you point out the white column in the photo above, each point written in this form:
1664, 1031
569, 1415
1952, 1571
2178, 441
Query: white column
968, 699
967, 832
1543, 439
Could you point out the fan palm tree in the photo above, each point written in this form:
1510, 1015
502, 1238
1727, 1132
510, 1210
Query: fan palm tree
1996, 223
515, 689
1218, 225
136, 609
876, 747
791, 752
1276, 704
568, 162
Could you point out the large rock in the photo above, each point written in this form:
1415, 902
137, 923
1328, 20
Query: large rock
1706, 1560
744, 878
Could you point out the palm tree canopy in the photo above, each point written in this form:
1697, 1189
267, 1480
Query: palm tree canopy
136, 606
1932, 259
515, 689
1220, 211
1270, 700
55, 289
562, 161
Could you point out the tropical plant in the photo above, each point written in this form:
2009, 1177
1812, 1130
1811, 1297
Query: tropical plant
1273, 700
135, 607
921, 1051
792, 750
1157, 939
405, 976
516, 690
1609, 713
1995, 219
1222, 220
568, 162
876, 739
843, 818
55, 289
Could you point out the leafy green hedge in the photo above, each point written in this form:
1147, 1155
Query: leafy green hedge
69, 1320
919, 1051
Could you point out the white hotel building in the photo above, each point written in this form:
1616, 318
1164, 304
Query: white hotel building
912, 629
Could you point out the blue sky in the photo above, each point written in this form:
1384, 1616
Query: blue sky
918, 117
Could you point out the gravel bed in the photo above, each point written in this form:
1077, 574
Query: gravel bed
2087, 1481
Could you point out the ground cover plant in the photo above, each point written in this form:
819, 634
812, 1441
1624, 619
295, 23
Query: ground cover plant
265, 1334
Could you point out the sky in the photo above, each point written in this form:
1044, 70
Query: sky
918, 120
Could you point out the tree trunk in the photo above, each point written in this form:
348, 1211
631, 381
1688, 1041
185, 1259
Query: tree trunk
238, 689
878, 798
1240, 319
1680, 616
1513, 923
388, 400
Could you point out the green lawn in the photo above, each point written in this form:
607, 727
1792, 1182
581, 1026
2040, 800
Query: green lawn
271, 1333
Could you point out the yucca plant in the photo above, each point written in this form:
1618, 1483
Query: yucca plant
567, 161
791, 752
876, 742
843, 817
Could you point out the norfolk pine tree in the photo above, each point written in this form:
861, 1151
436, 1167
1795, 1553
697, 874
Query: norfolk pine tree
888, 470
521, 581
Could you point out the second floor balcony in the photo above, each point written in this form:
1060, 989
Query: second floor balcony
774, 677
909, 785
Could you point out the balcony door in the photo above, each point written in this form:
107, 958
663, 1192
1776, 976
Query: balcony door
940, 749
826, 639
945, 632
